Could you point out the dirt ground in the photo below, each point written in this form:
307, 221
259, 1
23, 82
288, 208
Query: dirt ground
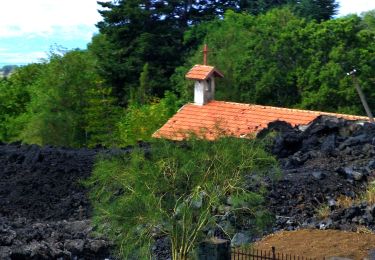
320, 243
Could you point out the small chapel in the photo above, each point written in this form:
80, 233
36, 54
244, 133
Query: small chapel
209, 118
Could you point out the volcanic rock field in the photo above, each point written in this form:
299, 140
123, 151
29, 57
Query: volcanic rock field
329, 160
45, 212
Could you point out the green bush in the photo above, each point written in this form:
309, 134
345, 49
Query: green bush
176, 190
281, 59
139, 122
14, 99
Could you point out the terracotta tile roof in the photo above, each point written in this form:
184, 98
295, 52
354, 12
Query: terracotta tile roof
234, 119
202, 72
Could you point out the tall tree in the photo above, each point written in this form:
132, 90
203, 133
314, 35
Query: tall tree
137, 32
256, 7
101, 116
281, 59
14, 99
141, 32
67, 100
320, 10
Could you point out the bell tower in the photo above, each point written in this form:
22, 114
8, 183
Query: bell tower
204, 77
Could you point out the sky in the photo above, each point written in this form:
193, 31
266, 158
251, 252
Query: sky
30, 29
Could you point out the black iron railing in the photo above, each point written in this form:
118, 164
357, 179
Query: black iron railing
254, 254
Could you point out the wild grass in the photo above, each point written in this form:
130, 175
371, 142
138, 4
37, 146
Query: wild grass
364, 230
343, 201
369, 196
323, 211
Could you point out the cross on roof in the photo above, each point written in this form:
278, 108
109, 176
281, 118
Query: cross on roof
205, 52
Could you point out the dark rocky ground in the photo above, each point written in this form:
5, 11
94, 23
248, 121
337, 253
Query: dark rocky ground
45, 213
320, 163
331, 158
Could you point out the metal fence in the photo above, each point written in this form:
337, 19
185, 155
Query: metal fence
253, 254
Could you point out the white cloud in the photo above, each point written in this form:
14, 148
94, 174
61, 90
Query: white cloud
42, 17
29, 27
355, 6
21, 58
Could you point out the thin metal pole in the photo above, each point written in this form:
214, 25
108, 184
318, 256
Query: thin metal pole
361, 95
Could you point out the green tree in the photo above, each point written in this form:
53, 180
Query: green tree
175, 190
281, 59
144, 86
334, 48
101, 116
135, 32
14, 99
139, 122
141, 95
256, 7
59, 98
256, 56
139, 33
320, 10
369, 20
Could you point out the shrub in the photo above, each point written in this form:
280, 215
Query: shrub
141, 121
323, 211
174, 189
370, 193
343, 201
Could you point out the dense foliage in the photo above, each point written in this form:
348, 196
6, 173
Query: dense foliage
177, 190
134, 33
113, 94
139, 122
14, 99
64, 102
280, 59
